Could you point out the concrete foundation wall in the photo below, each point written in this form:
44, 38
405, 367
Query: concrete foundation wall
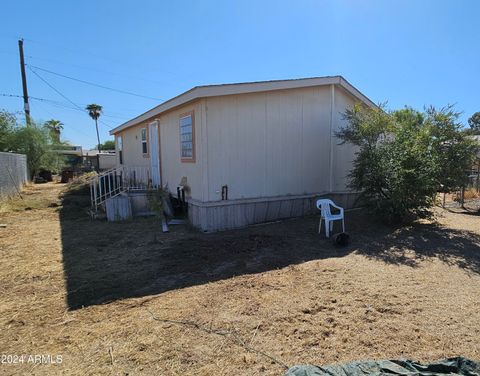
225, 215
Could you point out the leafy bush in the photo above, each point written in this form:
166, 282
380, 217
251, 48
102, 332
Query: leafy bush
405, 157
34, 141
108, 145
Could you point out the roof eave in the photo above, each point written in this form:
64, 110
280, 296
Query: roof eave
199, 92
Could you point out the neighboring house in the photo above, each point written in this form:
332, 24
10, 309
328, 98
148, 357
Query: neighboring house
248, 152
103, 160
107, 160
72, 155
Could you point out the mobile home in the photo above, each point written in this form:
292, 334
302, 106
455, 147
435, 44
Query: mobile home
246, 153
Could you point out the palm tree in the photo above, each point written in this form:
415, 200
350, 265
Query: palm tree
95, 110
54, 127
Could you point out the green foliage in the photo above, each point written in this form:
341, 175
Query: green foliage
35, 142
474, 122
94, 110
454, 150
156, 198
108, 145
8, 122
54, 127
404, 157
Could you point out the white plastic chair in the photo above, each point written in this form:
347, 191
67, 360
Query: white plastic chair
324, 206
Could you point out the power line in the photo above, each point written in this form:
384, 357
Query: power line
11, 95
70, 50
76, 51
54, 89
103, 71
62, 95
74, 129
71, 128
51, 102
83, 52
93, 84
61, 104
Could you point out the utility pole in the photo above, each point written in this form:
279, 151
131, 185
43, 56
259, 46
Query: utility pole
26, 106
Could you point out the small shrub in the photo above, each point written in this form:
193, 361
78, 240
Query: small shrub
156, 199
404, 158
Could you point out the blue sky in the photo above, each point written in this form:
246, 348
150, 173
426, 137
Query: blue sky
405, 52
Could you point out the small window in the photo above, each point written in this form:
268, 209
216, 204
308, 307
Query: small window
144, 141
187, 137
120, 149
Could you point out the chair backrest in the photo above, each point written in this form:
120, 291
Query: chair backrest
324, 206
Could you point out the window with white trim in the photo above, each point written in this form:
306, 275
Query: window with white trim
187, 142
144, 141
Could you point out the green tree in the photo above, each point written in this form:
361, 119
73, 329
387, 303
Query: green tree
95, 110
404, 157
454, 150
474, 122
54, 127
35, 142
108, 145
8, 122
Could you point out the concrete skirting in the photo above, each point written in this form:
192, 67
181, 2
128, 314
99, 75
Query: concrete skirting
230, 214
118, 208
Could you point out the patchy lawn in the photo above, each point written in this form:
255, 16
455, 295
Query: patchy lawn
242, 302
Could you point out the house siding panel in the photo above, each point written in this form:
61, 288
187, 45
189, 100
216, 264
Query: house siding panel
172, 168
344, 155
269, 144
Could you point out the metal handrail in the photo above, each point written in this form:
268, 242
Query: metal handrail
117, 180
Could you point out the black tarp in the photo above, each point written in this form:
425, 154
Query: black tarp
451, 366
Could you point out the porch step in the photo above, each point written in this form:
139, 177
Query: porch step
118, 208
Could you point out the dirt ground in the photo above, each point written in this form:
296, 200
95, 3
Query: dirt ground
244, 302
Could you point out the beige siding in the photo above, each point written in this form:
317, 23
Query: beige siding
259, 144
343, 154
269, 144
132, 147
172, 168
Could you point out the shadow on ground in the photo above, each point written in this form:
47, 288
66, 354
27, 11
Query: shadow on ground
410, 245
105, 261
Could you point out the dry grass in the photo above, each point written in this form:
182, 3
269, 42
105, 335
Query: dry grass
471, 193
32, 197
279, 289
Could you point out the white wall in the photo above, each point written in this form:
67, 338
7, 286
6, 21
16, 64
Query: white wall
172, 168
132, 147
107, 161
260, 144
269, 144
343, 154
